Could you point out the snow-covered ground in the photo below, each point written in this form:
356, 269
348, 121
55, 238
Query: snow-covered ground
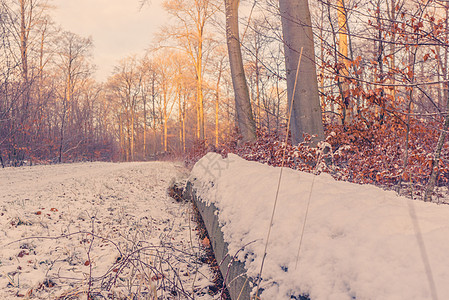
359, 242
106, 228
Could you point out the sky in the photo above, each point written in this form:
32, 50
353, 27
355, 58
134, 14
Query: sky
118, 27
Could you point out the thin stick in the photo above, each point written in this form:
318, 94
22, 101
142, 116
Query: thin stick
280, 175
304, 223
89, 286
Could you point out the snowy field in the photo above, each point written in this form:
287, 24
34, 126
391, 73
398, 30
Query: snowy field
358, 241
106, 229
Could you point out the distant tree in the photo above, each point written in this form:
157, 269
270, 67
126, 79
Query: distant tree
257, 40
126, 85
151, 83
166, 69
22, 26
74, 66
192, 17
219, 66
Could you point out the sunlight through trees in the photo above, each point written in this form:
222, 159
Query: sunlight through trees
373, 79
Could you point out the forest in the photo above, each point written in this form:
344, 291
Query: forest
379, 67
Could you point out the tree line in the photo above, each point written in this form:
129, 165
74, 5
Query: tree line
50, 107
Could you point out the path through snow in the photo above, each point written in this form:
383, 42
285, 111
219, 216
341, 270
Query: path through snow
142, 240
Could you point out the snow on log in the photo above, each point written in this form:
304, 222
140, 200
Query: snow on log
359, 242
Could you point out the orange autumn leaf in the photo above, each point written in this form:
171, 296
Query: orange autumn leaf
157, 277
205, 242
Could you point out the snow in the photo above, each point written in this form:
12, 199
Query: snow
113, 225
359, 242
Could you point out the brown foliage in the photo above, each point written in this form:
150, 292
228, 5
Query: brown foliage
362, 152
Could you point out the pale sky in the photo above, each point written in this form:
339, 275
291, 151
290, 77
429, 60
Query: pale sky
118, 27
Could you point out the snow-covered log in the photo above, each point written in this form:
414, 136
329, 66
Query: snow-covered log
329, 239
233, 271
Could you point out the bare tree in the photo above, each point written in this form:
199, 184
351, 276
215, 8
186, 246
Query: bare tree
193, 16
73, 64
151, 79
245, 120
126, 84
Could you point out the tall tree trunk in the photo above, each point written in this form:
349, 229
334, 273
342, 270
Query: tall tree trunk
61, 140
445, 62
144, 125
380, 62
217, 101
165, 116
24, 110
245, 120
24, 41
122, 137
200, 87
184, 132
132, 133
344, 62
128, 135
433, 178
162, 131
198, 122
165, 133
256, 67
153, 98
180, 121
322, 65
392, 14
297, 32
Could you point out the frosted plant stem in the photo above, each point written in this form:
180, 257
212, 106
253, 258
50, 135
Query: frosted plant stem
241, 291
189, 210
423, 251
304, 222
280, 177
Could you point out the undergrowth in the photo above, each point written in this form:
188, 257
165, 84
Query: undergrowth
362, 152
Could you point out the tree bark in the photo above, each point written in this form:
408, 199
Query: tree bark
297, 32
245, 120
